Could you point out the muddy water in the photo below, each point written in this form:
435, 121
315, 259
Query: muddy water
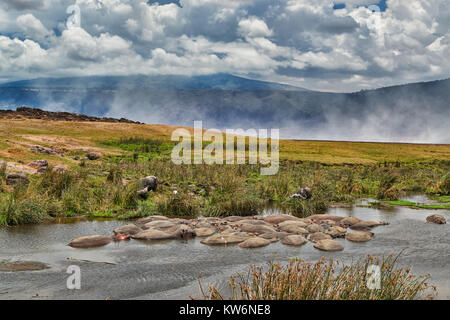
170, 269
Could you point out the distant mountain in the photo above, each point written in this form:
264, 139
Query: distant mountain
418, 112
159, 82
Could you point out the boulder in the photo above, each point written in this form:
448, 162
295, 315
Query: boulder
436, 218
204, 232
59, 169
128, 228
254, 242
224, 239
328, 245
93, 155
90, 241
294, 240
17, 178
360, 236
150, 183
153, 234
317, 236
38, 164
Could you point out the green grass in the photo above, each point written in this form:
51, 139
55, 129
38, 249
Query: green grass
336, 172
419, 205
443, 199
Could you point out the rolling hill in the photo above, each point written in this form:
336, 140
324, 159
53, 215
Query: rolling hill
408, 113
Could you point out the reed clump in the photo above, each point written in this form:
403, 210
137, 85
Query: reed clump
325, 280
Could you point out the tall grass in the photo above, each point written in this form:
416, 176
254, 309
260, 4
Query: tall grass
324, 280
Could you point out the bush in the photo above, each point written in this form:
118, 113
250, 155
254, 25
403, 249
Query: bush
19, 209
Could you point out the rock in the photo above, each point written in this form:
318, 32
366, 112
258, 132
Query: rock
150, 183
254, 242
256, 228
153, 234
42, 170
360, 236
337, 232
223, 239
294, 229
59, 169
17, 178
328, 245
349, 221
17, 266
279, 218
93, 155
43, 150
38, 164
294, 240
128, 228
204, 232
90, 241
303, 193
436, 218
317, 236
313, 228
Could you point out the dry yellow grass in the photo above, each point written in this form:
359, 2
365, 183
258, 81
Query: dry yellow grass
16, 136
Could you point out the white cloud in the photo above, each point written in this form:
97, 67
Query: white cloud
301, 42
254, 27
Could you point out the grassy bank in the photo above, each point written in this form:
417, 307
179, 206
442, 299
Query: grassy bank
107, 188
336, 172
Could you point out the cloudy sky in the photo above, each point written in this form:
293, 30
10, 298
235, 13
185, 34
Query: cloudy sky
317, 44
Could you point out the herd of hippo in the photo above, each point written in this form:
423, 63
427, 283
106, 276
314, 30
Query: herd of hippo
246, 232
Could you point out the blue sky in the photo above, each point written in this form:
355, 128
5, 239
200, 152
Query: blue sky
317, 44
